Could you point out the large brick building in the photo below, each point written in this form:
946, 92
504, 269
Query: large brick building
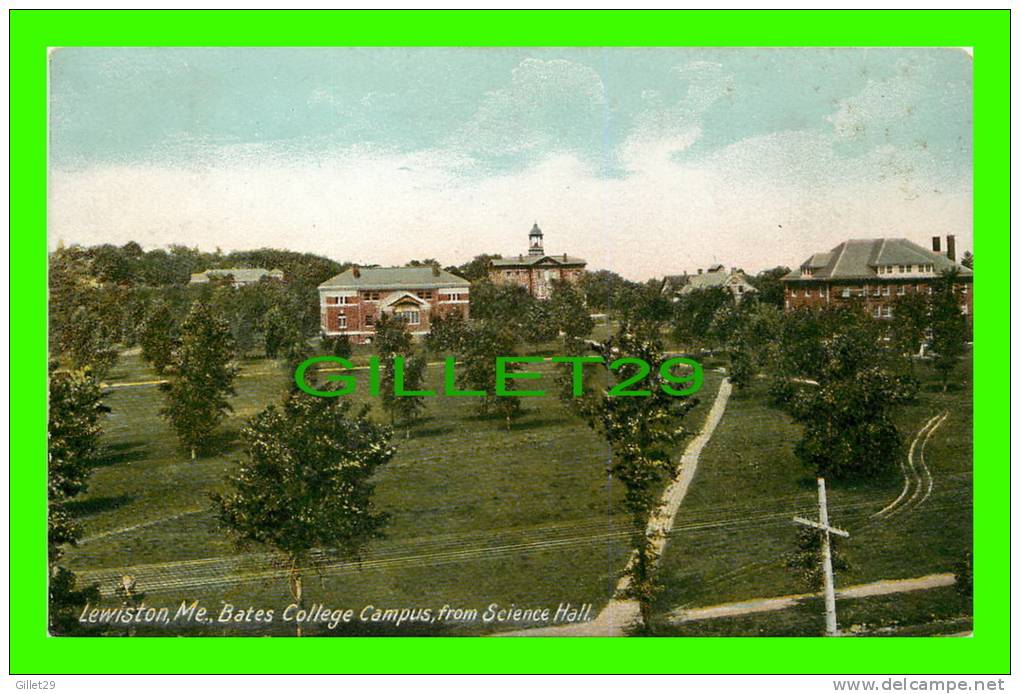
874, 272
351, 302
536, 271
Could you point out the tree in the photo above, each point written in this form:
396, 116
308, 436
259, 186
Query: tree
476, 269
569, 314
910, 322
694, 312
408, 408
753, 332
281, 333
75, 409
603, 289
848, 426
446, 333
804, 331
201, 378
537, 325
642, 433
303, 488
392, 339
806, 559
770, 286
338, 346
85, 341
487, 340
948, 327
158, 336
506, 303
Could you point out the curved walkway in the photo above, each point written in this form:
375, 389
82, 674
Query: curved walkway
620, 614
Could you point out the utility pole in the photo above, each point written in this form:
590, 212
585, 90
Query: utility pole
824, 528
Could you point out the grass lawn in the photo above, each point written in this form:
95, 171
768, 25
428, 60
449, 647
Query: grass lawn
734, 531
478, 514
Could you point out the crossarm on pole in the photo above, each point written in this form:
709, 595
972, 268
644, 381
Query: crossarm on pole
818, 526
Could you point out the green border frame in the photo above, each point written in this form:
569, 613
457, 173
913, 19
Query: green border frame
32, 31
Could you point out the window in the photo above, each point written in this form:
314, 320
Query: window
903, 268
887, 312
901, 290
963, 288
331, 300
846, 292
963, 309
370, 296
793, 292
337, 300
885, 290
877, 291
412, 317
807, 292
425, 295
369, 320
878, 312
341, 321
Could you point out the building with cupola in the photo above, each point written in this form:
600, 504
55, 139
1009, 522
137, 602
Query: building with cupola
537, 271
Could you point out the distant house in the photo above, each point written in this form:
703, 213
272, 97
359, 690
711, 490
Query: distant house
351, 303
873, 272
735, 281
536, 271
239, 276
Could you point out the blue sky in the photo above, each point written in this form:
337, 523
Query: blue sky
751, 157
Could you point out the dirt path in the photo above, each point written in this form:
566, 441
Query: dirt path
619, 614
863, 590
916, 475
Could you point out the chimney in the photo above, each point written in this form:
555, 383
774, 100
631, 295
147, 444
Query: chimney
733, 270
435, 270
936, 244
699, 270
356, 271
951, 247
564, 257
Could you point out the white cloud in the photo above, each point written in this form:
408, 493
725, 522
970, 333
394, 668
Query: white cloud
758, 203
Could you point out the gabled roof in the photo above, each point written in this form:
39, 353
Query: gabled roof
528, 260
860, 258
401, 297
715, 277
394, 278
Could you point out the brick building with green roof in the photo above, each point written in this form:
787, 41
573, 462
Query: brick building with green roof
351, 302
873, 273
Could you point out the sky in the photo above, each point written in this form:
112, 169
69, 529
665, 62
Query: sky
644, 161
